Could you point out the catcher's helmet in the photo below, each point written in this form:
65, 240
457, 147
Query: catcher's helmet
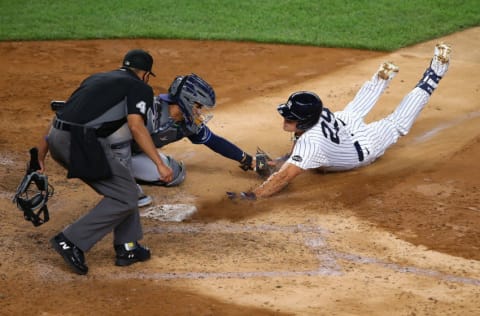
186, 91
303, 107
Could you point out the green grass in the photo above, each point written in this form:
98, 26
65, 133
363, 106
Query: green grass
378, 25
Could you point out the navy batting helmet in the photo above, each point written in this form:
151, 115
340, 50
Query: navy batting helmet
303, 107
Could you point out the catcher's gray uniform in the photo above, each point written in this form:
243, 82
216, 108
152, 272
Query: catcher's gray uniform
191, 94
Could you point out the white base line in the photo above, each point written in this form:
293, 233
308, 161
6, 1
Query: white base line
429, 134
328, 258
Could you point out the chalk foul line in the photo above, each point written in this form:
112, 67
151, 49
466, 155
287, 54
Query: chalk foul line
328, 258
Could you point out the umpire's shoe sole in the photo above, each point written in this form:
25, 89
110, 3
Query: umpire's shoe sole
72, 255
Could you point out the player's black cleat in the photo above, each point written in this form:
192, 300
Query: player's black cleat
72, 255
127, 257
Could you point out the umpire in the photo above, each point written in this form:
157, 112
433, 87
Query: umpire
78, 140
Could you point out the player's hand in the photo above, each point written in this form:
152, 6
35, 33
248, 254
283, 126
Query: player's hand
42, 166
242, 196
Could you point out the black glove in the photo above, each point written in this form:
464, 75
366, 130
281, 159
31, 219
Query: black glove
246, 162
263, 164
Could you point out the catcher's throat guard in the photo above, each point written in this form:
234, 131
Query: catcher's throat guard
33, 193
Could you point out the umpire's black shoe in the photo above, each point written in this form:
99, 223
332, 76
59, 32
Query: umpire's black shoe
130, 253
71, 254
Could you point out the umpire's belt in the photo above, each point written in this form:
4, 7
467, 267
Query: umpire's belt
62, 125
66, 126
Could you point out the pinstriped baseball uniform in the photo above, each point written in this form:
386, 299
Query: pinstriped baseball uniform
343, 141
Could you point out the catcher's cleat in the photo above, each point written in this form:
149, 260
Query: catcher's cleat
72, 255
130, 253
144, 200
387, 70
442, 52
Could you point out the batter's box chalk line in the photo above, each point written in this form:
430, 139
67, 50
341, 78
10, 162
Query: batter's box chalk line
314, 238
169, 212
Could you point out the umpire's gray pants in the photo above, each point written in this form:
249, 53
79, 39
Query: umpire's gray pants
117, 211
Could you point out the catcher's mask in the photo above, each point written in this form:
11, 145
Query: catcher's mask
32, 199
303, 107
193, 95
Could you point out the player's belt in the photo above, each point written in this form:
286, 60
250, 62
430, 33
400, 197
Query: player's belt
359, 151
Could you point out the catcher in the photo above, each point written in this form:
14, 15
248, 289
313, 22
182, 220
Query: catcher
179, 114
342, 140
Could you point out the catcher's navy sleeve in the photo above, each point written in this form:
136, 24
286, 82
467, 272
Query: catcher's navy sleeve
217, 144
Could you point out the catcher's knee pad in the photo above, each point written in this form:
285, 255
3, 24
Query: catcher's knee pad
145, 171
178, 170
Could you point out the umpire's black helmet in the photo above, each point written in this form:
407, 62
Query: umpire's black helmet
303, 107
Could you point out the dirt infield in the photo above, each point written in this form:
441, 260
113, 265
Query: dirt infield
399, 237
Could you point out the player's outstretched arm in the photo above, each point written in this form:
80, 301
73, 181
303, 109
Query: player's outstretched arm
278, 180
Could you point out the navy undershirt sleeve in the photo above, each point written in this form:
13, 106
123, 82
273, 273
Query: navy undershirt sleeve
216, 143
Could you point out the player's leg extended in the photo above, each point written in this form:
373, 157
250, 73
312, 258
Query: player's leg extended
387, 131
408, 110
371, 90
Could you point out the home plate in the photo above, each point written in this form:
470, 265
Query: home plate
169, 212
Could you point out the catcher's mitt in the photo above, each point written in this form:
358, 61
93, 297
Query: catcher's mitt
264, 165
